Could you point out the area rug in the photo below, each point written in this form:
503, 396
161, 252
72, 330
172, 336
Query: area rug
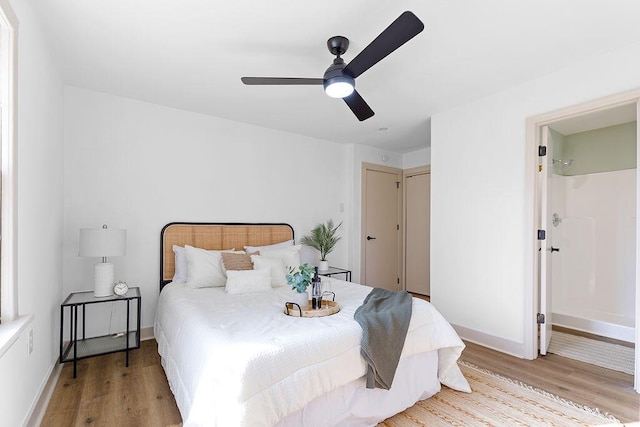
496, 401
599, 353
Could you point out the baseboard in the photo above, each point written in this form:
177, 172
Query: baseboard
146, 333
502, 345
40, 406
596, 327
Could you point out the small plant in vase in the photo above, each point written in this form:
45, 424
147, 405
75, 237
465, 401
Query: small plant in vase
323, 238
299, 278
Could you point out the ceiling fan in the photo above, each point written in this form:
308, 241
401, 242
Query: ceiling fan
339, 79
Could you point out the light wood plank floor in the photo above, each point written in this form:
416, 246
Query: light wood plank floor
107, 393
610, 391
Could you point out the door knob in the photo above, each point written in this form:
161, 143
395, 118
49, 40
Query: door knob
371, 238
554, 249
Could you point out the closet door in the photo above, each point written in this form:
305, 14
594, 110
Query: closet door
417, 250
381, 239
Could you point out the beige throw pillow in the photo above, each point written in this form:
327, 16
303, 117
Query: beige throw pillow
233, 261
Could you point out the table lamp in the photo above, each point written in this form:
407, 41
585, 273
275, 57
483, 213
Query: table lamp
102, 243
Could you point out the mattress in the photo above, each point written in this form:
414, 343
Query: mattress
238, 360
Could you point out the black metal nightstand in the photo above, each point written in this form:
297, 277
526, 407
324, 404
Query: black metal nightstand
335, 270
80, 348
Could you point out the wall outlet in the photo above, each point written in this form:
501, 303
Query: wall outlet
30, 341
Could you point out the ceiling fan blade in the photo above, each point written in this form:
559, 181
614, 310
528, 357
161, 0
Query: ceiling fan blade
359, 106
280, 81
403, 29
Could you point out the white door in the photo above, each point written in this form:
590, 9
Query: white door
381, 227
417, 256
545, 176
636, 380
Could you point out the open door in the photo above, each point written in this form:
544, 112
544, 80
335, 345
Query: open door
417, 231
545, 176
636, 379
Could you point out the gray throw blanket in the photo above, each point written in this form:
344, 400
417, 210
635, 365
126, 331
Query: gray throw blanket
384, 317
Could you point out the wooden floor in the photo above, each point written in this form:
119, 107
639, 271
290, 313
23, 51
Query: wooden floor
107, 393
610, 391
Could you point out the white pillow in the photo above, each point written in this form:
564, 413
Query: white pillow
204, 268
180, 275
248, 281
280, 245
290, 256
278, 270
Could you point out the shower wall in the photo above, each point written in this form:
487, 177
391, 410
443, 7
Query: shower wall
593, 278
593, 274
600, 150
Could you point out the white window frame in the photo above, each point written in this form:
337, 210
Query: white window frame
9, 197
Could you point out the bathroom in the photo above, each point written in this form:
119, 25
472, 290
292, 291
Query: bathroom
593, 226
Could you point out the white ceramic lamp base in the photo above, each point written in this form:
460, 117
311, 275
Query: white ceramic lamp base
103, 279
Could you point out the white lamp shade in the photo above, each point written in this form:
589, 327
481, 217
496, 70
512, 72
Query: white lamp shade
102, 242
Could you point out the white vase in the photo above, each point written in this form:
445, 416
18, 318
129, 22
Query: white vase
300, 298
323, 265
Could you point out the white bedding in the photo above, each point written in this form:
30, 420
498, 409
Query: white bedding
237, 360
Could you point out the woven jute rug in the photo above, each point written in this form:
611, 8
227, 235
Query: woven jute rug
496, 401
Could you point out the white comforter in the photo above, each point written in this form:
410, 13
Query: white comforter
237, 360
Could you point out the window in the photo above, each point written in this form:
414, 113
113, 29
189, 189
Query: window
8, 176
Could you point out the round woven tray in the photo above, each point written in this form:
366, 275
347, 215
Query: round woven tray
328, 308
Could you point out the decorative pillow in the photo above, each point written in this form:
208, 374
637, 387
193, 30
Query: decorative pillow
180, 275
236, 261
204, 268
281, 245
290, 256
248, 281
278, 270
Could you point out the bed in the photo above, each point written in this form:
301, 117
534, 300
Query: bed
235, 359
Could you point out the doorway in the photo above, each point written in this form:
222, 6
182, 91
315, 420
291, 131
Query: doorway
587, 198
381, 242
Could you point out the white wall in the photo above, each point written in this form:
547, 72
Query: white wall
40, 193
481, 273
139, 166
416, 158
594, 272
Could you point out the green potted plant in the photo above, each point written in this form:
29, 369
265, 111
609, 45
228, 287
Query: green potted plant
323, 238
299, 278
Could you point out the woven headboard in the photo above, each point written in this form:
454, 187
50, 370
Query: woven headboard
216, 236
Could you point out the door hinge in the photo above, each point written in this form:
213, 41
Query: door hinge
542, 150
540, 319
542, 234
398, 280
397, 226
397, 184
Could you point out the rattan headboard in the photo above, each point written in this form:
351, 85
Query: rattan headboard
215, 236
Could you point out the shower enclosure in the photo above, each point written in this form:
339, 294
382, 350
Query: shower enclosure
593, 231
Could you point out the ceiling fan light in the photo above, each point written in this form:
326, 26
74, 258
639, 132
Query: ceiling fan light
339, 86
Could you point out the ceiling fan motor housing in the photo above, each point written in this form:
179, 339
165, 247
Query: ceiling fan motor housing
335, 75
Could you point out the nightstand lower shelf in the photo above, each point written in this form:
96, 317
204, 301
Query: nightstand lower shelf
97, 346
